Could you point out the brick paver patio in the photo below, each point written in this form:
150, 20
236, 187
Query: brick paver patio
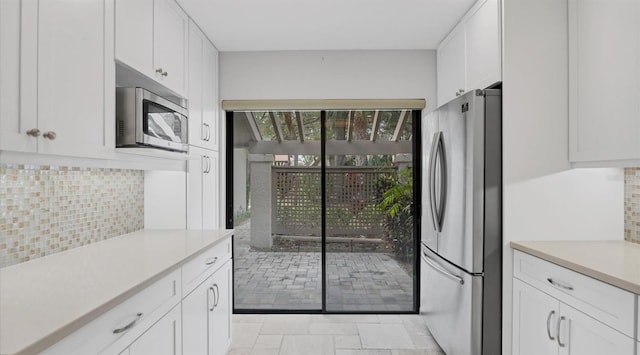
292, 280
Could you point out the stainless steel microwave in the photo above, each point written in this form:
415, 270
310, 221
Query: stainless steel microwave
144, 119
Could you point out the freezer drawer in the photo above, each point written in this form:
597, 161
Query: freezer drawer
451, 302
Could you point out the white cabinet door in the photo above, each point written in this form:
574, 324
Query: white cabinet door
163, 338
210, 187
210, 105
583, 335
451, 66
73, 73
202, 189
134, 34
195, 320
604, 76
170, 38
535, 316
196, 44
195, 173
483, 43
220, 330
13, 125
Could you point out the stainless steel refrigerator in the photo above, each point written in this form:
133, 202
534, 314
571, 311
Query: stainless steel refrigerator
461, 268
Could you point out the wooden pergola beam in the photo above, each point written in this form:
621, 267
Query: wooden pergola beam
402, 120
375, 126
276, 126
349, 126
251, 119
300, 126
357, 147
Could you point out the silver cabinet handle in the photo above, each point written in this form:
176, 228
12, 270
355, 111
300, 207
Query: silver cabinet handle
33, 132
457, 93
207, 165
49, 135
211, 261
559, 284
216, 295
203, 134
208, 133
442, 271
549, 325
165, 74
128, 326
159, 71
213, 292
561, 344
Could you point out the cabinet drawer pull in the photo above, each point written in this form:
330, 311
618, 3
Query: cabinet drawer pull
561, 344
211, 261
559, 284
549, 325
49, 135
128, 326
159, 71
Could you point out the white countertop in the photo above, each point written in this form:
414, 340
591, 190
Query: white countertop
44, 300
614, 262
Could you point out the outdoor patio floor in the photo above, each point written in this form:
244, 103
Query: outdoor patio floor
292, 280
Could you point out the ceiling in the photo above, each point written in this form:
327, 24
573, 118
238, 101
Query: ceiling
265, 25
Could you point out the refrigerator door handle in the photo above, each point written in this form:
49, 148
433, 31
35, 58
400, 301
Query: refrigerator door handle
443, 181
441, 270
432, 180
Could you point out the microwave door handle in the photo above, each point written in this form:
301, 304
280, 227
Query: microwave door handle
432, 181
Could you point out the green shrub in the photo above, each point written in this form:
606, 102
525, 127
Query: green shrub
395, 198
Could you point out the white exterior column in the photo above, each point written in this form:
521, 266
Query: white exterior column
260, 194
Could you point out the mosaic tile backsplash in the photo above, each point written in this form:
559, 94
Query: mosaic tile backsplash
632, 204
49, 209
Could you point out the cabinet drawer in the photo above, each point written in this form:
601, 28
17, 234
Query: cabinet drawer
609, 304
203, 265
132, 318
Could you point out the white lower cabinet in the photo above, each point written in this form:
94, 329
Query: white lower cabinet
222, 309
170, 317
534, 318
544, 325
163, 338
553, 312
206, 314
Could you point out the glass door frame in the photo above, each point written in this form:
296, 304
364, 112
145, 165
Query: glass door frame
416, 143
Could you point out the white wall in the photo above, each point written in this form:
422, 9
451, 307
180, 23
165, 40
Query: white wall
165, 200
543, 198
329, 75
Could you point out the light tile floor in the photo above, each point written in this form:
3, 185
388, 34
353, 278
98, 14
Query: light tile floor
331, 334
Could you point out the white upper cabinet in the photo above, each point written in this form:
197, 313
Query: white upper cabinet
469, 57
152, 39
203, 90
13, 125
483, 45
604, 76
66, 97
450, 67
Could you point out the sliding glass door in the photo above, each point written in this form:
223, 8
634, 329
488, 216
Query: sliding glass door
323, 207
